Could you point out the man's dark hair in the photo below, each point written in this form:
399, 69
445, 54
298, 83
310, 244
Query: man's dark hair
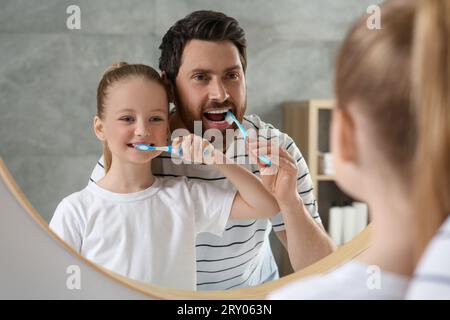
200, 25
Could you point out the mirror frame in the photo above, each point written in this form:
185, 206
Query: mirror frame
342, 255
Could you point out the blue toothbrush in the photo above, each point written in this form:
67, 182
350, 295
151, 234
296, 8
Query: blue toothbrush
230, 118
146, 147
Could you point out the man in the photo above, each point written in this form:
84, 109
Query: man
203, 62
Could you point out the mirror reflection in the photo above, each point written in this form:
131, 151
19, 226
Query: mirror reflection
179, 219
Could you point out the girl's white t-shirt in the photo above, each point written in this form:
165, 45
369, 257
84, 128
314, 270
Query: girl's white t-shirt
149, 235
352, 281
431, 278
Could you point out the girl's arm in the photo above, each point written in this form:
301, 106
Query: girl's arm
252, 200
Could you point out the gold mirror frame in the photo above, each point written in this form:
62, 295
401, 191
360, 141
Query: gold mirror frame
343, 254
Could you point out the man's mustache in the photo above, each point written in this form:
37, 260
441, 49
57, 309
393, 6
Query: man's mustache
219, 105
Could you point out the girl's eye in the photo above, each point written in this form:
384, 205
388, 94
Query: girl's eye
126, 119
156, 119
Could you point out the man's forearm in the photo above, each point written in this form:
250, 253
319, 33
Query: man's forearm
307, 241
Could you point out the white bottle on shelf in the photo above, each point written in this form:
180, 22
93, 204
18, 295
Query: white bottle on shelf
349, 222
362, 216
328, 167
336, 225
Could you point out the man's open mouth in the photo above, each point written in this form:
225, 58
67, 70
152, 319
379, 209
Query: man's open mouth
216, 115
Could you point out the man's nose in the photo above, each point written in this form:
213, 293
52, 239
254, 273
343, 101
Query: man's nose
217, 90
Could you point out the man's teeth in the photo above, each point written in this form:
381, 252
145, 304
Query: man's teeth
218, 111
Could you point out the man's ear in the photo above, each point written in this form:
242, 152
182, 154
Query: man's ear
98, 129
347, 136
169, 86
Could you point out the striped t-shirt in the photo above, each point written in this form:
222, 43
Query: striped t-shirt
432, 277
242, 257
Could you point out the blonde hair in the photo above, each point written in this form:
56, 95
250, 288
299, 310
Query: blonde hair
399, 78
373, 74
431, 84
116, 72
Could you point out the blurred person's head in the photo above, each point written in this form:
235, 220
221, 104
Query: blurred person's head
392, 119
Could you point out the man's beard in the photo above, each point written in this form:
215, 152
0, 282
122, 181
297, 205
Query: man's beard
188, 119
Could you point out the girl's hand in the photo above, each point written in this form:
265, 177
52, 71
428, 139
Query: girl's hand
194, 149
281, 177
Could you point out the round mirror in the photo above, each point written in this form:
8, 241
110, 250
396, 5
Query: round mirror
52, 61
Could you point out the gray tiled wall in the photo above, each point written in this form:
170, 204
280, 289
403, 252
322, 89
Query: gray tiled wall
49, 74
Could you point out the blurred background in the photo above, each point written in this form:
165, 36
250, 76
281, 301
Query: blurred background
49, 74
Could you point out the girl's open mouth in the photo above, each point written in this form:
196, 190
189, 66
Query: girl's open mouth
131, 145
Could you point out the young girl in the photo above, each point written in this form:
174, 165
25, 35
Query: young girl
431, 278
387, 81
134, 223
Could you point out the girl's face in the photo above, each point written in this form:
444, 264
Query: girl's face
135, 111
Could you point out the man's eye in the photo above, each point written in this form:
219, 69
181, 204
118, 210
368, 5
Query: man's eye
199, 77
233, 75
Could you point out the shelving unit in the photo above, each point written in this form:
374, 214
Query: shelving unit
301, 122
308, 123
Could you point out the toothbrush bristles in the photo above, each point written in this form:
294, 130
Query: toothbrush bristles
229, 117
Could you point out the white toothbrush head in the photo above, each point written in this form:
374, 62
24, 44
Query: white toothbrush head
146, 147
143, 147
230, 118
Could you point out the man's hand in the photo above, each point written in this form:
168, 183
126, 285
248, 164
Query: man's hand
280, 178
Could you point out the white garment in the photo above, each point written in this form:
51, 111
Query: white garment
352, 281
149, 235
242, 257
431, 279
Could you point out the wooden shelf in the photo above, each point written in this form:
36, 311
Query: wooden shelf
321, 104
323, 177
308, 123
301, 123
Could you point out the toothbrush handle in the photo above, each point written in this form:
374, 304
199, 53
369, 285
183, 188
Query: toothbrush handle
170, 149
242, 128
244, 133
265, 160
180, 151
